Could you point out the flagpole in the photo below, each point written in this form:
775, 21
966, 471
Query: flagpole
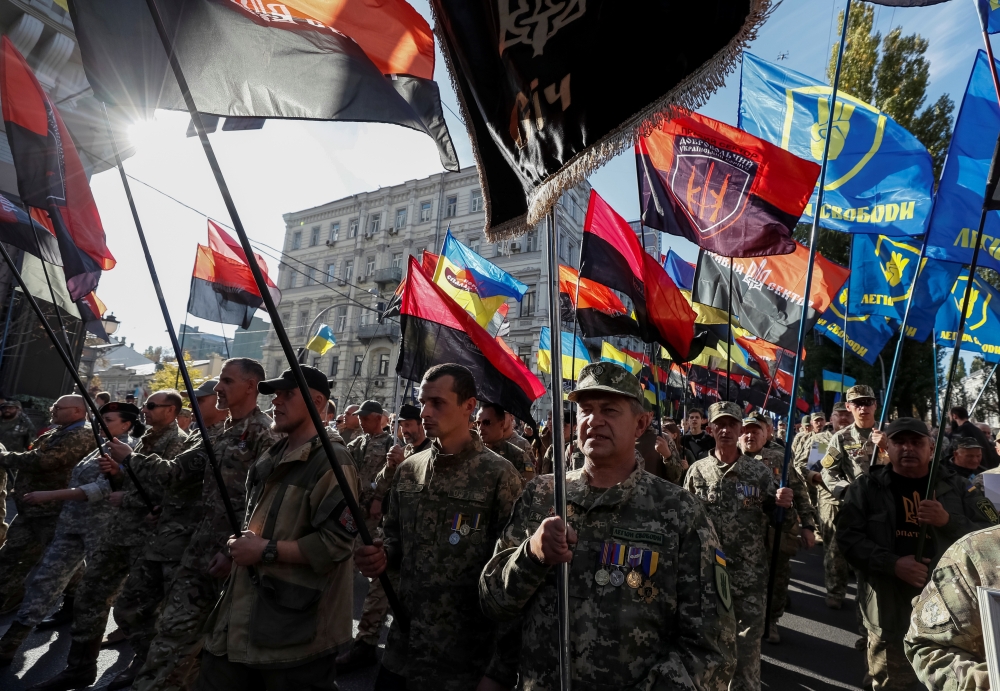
656, 384
279, 329
182, 369
6, 326
983, 390
184, 329
897, 357
558, 458
937, 385
989, 54
48, 282
779, 513
225, 341
68, 362
847, 308
729, 331
576, 306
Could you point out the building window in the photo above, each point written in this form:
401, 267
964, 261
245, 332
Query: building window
374, 223
570, 253
297, 240
383, 364
334, 232
334, 366
474, 244
357, 364
397, 260
331, 271
400, 218
524, 352
529, 242
314, 236
475, 201
352, 228
316, 362
286, 319
348, 269
528, 302
369, 266
451, 207
277, 367
310, 276
291, 278
340, 322
425, 212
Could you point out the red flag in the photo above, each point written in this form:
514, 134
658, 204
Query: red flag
612, 257
223, 243
50, 175
597, 309
722, 188
435, 329
817, 401
222, 289
429, 262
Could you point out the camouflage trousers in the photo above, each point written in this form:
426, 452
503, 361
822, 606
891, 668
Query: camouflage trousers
888, 666
790, 541
748, 608
63, 562
376, 604
141, 600
172, 660
27, 539
102, 581
836, 572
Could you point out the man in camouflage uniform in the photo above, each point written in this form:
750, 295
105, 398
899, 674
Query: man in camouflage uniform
16, 429
798, 527
878, 529
141, 599
47, 466
511, 435
944, 643
803, 432
572, 455
739, 496
171, 661
854, 449
352, 424
446, 509
490, 421
669, 622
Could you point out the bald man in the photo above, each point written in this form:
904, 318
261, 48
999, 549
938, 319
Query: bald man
47, 466
351, 428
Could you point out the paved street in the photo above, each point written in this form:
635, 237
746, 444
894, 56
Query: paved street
816, 653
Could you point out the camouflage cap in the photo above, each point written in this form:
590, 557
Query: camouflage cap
818, 416
968, 443
608, 377
753, 420
859, 391
805, 420
724, 409
840, 408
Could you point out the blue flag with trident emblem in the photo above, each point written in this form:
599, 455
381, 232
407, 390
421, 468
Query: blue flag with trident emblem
879, 178
867, 334
882, 275
982, 326
989, 15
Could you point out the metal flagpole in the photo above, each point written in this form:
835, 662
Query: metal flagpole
897, 358
64, 356
279, 329
653, 348
983, 390
558, 458
779, 514
182, 369
576, 306
843, 339
729, 331
222, 326
937, 385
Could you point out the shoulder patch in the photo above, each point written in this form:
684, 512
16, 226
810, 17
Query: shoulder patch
467, 495
409, 487
934, 613
722, 583
346, 518
988, 510
828, 461
638, 535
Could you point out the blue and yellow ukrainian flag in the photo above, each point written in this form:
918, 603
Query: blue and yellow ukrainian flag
322, 341
831, 382
574, 354
479, 286
611, 354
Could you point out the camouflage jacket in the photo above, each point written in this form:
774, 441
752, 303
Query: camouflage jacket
92, 515
849, 456
48, 466
945, 640
369, 452
739, 498
801, 456
520, 442
236, 448
349, 435
523, 461
445, 513
801, 440
128, 526
866, 535
573, 456
670, 468
383, 480
182, 508
16, 434
676, 631
802, 511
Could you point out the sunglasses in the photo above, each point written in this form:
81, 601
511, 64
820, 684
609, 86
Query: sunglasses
864, 402
483, 423
153, 406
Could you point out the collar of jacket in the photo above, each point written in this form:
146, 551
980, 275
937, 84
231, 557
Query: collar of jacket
243, 423
880, 473
577, 486
475, 446
72, 426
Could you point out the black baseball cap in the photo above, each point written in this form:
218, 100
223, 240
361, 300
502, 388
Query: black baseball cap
316, 380
409, 412
907, 424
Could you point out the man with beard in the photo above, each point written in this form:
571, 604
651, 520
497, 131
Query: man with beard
16, 430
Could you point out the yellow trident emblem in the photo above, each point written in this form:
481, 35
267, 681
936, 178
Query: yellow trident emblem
975, 321
837, 130
893, 270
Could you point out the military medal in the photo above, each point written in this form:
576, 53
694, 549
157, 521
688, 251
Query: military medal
602, 577
456, 526
634, 580
617, 559
647, 591
477, 538
466, 528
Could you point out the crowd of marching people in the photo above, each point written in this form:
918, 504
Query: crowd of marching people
669, 535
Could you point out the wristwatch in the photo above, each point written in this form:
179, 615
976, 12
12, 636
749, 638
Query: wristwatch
270, 555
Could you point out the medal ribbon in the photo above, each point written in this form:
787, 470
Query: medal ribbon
476, 520
618, 554
456, 522
634, 556
650, 560
606, 553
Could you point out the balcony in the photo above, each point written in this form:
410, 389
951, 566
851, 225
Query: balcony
368, 332
391, 274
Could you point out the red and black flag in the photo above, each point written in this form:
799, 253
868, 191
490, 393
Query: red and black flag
91, 314
50, 175
612, 257
24, 232
597, 309
768, 291
222, 286
435, 330
301, 59
550, 91
721, 188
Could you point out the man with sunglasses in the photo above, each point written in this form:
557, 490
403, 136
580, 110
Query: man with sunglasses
854, 449
491, 425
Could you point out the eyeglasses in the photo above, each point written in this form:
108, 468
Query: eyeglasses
864, 402
483, 423
153, 406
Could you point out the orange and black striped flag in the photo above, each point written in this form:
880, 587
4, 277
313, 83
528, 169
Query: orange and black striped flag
721, 188
597, 309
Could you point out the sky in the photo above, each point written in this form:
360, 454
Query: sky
289, 166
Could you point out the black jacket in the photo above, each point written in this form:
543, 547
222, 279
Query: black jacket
967, 429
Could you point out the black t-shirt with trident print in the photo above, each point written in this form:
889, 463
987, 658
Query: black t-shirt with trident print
907, 494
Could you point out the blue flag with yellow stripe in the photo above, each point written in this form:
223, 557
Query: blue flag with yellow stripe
836, 382
574, 354
879, 177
